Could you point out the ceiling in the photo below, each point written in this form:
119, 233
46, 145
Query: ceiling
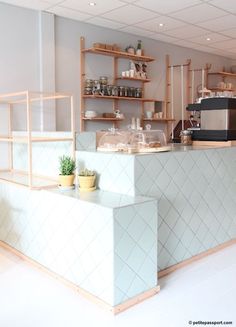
205, 25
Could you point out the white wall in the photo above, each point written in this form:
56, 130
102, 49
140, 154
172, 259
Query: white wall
24, 59
22, 65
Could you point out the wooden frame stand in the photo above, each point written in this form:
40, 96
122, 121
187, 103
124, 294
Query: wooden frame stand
27, 178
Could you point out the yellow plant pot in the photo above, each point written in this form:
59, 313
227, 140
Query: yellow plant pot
66, 180
87, 182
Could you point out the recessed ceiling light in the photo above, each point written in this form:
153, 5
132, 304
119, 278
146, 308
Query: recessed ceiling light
92, 4
161, 25
208, 39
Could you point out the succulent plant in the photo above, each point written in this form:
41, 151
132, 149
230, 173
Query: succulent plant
67, 165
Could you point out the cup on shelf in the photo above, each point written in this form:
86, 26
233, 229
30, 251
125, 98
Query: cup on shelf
149, 114
131, 73
229, 86
123, 74
127, 73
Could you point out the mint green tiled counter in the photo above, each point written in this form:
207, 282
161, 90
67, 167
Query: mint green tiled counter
195, 188
105, 243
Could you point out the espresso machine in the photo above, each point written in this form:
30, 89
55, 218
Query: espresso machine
217, 121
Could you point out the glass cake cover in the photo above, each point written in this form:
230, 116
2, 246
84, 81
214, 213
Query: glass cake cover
114, 140
147, 139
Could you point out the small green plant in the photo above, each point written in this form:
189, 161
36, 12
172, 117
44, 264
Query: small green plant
86, 172
67, 165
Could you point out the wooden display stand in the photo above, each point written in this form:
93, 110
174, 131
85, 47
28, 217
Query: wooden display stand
27, 178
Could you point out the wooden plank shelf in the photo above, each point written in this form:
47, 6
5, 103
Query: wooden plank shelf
117, 98
103, 119
20, 178
139, 79
225, 74
118, 54
161, 120
23, 139
220, 89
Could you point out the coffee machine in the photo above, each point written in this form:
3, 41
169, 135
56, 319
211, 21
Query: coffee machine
218, 119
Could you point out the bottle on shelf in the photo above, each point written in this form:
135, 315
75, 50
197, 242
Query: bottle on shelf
139, 48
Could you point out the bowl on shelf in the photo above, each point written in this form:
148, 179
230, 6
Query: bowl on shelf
90, 114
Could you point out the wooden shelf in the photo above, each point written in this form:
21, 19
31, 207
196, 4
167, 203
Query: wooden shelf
225, 74
220, 89
22, 179
117, 98
24, 139
139, 79
161, 120
118, 54
103, 119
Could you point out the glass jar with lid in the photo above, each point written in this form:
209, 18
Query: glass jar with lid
138, 92
186, 137
103, 80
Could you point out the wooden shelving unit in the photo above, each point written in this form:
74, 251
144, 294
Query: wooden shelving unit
116, 55
223, 75
27, 178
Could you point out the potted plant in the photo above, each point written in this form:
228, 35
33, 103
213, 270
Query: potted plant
87, 180
67, 169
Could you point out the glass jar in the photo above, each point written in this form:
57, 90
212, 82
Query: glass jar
121, 91
104, 90
138, 92
109, 89
103, 80
131, 92
126, 91
115, 91
186, 137
88, 83
88, 91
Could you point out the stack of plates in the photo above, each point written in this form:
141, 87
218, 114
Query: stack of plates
90, 114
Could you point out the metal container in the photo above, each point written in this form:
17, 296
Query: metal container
186, 137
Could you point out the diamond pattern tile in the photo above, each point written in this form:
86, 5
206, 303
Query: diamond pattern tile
111, 252
197, 200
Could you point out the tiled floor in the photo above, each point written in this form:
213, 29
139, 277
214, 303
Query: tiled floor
205, 290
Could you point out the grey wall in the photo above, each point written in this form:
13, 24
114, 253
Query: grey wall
21, 51
68, 33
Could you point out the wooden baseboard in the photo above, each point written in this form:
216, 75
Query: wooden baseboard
135, 300
114, 309
197, 257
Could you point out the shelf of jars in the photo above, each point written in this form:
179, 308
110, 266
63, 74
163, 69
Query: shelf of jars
104, 89
118, 54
